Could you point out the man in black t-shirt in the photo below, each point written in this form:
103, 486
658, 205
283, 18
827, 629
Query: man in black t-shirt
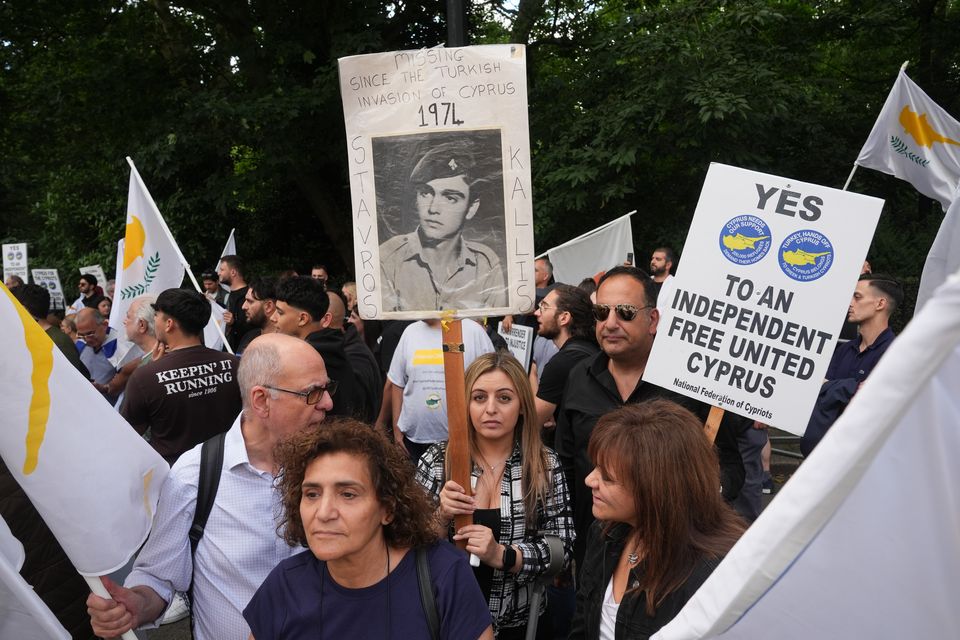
565, 316
190, 393
232, 275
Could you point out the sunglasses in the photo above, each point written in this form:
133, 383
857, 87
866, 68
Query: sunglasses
313, 396
625, 312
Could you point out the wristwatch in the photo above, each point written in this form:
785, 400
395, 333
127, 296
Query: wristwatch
509, 557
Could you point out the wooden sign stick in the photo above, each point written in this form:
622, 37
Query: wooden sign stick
712, 425
458, 447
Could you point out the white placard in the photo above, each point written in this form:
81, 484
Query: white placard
768, 270
97, 272
15, 261
520, 342
50, 280
439, 157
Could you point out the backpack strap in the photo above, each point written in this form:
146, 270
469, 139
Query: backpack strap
427, 598
211, 466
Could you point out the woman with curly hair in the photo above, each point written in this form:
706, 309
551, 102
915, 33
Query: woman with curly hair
662, 525
348, 494
518, 493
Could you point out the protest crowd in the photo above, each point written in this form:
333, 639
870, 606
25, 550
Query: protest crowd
360, 399
478, 446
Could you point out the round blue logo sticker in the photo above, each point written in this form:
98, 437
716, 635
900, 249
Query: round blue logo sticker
744, 239
806, 255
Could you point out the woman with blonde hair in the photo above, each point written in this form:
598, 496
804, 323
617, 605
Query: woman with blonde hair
662, 525
518, 492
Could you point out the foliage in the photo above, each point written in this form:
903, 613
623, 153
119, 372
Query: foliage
232, 113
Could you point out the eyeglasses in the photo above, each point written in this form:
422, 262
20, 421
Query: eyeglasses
544, 305
313, 396
88, 334
625, 312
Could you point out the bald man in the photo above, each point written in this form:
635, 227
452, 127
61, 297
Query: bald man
285, 388
103, 351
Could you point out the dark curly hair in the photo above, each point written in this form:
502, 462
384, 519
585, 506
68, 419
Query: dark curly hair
392, 474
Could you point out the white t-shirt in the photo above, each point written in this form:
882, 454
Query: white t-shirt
665, 295
608, 613
417, 366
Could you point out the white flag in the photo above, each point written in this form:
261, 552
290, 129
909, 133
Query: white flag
93, 479
152, 262
230, 249
915, 140
23, 615
863, 541
944, 256
116, 320
211, 337
599, 250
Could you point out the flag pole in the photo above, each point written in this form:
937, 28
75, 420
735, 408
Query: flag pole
97, 588
588, 233
176, 247
850, 177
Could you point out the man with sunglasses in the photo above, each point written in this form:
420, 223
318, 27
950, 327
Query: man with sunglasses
190, 393
285, 389
626, 324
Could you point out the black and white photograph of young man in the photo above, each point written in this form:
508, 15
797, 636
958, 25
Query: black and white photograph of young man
440, 216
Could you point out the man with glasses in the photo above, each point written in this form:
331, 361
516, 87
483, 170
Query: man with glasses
285, 389
103, 351
626, 325
565, 316
191, 392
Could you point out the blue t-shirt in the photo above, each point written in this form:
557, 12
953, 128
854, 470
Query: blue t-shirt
300, 599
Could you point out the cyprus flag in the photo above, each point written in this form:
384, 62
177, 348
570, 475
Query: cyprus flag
93, 479
915, 140
151, 262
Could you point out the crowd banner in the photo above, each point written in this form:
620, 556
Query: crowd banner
862, 541
769, 268
519, 341
944, 255
439, 160
915, 140
50, 280
93, 479
23, 615
15, 261
230, 249
598, 250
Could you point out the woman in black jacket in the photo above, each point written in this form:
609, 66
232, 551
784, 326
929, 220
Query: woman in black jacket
662, 525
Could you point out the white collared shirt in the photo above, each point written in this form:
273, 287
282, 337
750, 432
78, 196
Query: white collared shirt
239, 548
